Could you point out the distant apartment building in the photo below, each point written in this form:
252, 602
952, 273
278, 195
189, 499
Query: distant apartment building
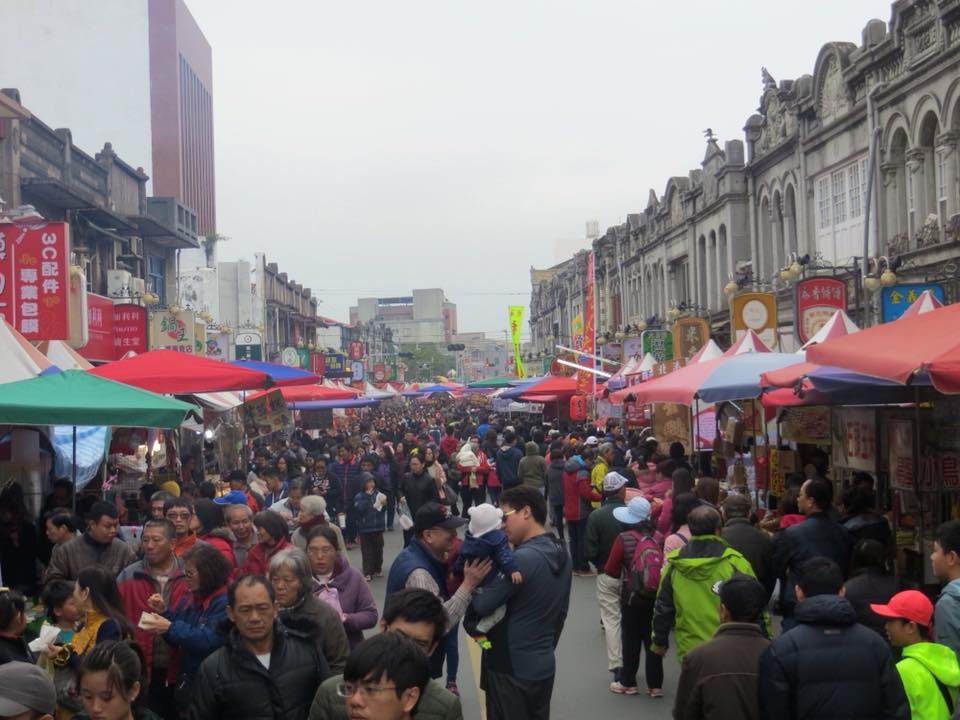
136, 73
424, 317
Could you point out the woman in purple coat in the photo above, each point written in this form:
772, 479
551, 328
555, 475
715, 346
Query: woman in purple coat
340, 585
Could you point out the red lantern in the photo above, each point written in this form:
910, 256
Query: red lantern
578, 408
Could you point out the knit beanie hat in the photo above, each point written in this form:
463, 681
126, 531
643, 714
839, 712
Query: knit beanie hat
484, 518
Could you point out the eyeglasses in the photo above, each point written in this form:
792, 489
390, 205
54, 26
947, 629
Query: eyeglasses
178, 516
321, 551
508, 513
346, 690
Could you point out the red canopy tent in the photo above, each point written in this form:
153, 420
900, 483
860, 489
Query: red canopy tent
176, 373
306, 393
789, 376
923, 304
899, 350
551, 388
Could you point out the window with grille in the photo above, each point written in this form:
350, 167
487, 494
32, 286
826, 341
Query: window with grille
942, 186
911, 201
823, 202
857, 185
839, 182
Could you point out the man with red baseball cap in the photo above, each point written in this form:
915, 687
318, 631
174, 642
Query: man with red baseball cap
929, 671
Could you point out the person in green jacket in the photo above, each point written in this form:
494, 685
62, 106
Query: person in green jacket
929, 671
688, 598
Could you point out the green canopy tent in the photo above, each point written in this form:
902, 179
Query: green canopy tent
75, 397
495, 382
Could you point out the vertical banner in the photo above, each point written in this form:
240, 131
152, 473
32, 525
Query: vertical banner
689, 335
585, 379
516, 320
34, 286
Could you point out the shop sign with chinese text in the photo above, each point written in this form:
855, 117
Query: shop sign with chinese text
99, 329
658, 343
34, 287
689, 335
816, 300
173, 331
129, 329
895, 300
335, 366
854, 441
755, 311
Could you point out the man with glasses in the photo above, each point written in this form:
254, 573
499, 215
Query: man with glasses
517, 671
179, 511
264, 669
384, 679
418, 615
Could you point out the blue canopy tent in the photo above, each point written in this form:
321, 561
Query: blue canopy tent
332, 404
282, 375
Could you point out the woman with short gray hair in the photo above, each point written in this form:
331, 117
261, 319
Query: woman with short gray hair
313, 513
291, 575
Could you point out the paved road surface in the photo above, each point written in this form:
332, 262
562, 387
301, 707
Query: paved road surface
581, 688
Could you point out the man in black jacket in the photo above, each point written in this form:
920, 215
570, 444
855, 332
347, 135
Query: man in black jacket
752, 542
829, 665
817, 536
263, 672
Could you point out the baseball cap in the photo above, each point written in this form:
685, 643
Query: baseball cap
613, 481
636, 511
26, 688
592, 440
433, 515
909, 605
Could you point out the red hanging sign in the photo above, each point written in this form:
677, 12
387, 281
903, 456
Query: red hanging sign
356, 350
816, 300
129, 329
34, 283
584, 378
99, 329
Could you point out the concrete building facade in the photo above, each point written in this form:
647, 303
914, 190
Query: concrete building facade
147, 88
797, 188
426, 316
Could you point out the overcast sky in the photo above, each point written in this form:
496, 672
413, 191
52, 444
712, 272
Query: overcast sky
373, 147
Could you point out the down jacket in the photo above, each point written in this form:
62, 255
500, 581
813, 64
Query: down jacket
232, 684
829, 666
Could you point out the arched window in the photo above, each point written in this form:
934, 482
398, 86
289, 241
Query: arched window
723, 273
895, 189
702, 271
790, 243
765, 224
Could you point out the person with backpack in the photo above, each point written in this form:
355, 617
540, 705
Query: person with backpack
636, 558
928, 670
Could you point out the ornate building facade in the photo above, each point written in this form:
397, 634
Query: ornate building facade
797, 188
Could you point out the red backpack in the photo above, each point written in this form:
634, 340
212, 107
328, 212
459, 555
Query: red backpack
643, 580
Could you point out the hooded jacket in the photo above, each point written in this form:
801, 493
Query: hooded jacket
508, 464
602, 529
555, 480
195, 629
532, 470
829, 666
577, 492
946, 616
688, 597
221, 539
523, 642
923, 666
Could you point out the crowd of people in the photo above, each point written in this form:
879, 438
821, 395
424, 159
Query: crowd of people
238, 599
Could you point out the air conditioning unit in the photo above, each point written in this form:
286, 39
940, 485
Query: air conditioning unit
139, 286
118, 283
136, 247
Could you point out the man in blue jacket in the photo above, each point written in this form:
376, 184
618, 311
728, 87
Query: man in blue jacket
517, 672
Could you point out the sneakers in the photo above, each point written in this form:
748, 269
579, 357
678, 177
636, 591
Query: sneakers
618, 688
452, 687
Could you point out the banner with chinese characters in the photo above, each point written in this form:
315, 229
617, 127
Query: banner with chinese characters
335, 366
808, 425
584, 378
658, 343
755, 311
816, 299
900, 454
129, 329
576, 331
896, 299
854, 441
671, 423
689, 335
266, 414
515, 313
34, 283
173, 331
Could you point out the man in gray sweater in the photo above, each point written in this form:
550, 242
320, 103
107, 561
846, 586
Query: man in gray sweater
99, 545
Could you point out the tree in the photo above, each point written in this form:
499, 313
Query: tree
425, 361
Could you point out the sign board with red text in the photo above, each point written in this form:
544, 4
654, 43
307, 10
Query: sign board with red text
34, 279
816, 300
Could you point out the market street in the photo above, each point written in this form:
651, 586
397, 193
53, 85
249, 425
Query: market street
580, 690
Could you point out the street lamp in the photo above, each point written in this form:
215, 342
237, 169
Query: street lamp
730, 289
